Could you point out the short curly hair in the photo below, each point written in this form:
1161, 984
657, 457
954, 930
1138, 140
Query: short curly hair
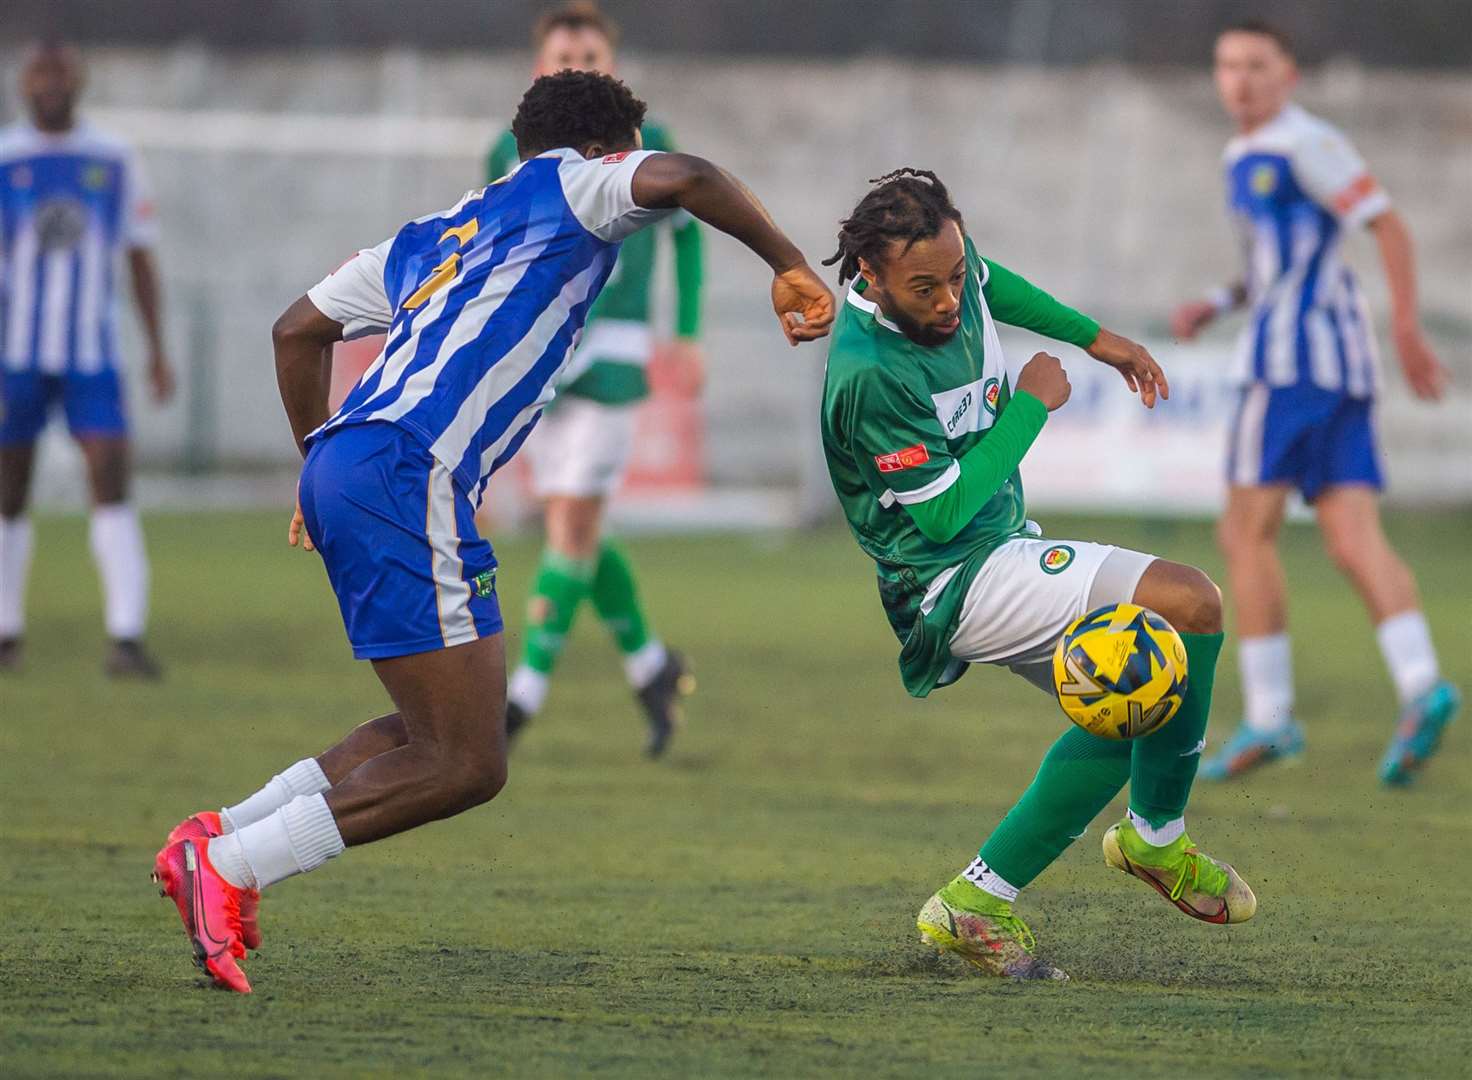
576, 108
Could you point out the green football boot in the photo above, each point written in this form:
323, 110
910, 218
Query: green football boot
981, 929
1199, 885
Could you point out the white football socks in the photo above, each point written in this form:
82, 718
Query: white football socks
988, 880
296, 839
122, 564
1266, 665
304, 778
15, 569
644, 663
1164, 836
527, 689
1405, 643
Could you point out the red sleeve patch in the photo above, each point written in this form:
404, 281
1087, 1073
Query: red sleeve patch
1350, 197
614, 159
907, 458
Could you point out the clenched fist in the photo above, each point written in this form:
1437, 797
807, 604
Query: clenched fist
1044, 378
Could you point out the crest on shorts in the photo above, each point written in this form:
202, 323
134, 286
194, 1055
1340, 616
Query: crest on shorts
483, 584
1056, 559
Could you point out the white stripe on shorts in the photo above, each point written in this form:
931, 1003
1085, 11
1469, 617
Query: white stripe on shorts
451, 590
1247, 439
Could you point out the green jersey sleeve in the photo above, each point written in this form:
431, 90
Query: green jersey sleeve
984, 469
1018, 302
897, 442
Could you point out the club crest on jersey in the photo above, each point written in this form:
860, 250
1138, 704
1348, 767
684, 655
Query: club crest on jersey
907, 458
614, 159
1056, 559
1263, 180
990, 393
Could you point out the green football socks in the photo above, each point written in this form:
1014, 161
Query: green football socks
1082, 773
1079, 775
616, 600
1163, 765
560, 586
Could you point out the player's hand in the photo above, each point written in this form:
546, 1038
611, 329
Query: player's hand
1191, 318
161, 377
1424, 372
685, 361
1133, 361
297, 533
803, 304
1044, 378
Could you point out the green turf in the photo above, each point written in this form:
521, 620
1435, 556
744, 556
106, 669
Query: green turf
744, 908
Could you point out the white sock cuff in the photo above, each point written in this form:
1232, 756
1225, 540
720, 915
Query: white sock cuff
988, 880
305, 778
227, 856
1164, 836
311, 830
1266, 665
15, 565
527, 689
1405, 643
117, 547
645, 662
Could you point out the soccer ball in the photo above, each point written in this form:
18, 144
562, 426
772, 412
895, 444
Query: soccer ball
1120, 671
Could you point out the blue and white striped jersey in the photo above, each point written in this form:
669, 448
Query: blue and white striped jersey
482, 304
69, 204
1293, 186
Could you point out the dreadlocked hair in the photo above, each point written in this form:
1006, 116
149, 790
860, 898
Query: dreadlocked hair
907, 205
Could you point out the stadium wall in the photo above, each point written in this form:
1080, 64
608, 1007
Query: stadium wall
1101, 182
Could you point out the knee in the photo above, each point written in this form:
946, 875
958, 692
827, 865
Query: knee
1187, 598
1201, 604
474, 781
1352, 551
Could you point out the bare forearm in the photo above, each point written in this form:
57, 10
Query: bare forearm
1398, 256
717, 198
146, 295
303, 339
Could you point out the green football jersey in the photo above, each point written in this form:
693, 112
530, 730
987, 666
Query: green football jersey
617, 336
896, 419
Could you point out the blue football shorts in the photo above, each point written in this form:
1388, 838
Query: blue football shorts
92, 403
1304, 436
398, 538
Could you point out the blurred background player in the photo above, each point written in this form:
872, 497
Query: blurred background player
579, 457
1306, 415
72, 200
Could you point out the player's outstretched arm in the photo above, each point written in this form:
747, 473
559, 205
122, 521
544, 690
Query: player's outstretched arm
303, 338
1424, 372
802, 302
1133, 361
1194, 316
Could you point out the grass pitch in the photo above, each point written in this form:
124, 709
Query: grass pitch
745, 907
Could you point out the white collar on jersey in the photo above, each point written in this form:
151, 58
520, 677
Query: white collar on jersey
1289, 116
856, 298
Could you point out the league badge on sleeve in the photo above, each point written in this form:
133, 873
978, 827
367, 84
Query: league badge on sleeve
907, 458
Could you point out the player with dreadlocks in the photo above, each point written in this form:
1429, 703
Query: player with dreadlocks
925, 424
